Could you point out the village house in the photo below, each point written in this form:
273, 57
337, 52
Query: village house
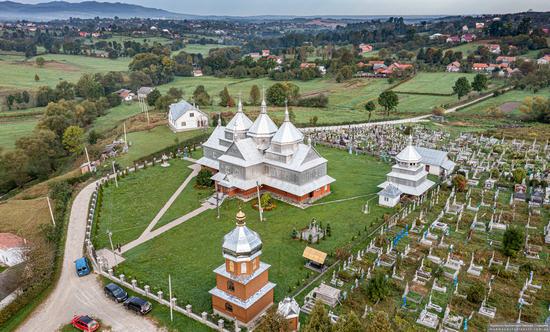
183, 116
453, 67
254, 55
437, 36
144, 91
468, 38
12, 249
465, 28
506, 59
436, 162
480, 25
265, 53
248, 156
305, 65
243, 291
365, 48
197, 73
125, 95
480, 67
494, 48
453, 40
544, 60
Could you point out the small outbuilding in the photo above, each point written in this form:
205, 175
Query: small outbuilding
389, 196
13, 249
290, 310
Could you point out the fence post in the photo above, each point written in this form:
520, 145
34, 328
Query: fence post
159, 294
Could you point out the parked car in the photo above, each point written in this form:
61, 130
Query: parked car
82, 267
85, 323
138, 305
115, 292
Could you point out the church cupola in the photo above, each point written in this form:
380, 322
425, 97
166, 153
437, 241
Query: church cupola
239, 124
288, 136
263, 128
409, 156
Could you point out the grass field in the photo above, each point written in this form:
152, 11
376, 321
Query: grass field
13, 129
198, 48
191, 251
114, 116
146, 142
127, 210
24, 217
433, 82
121, 39
16, 72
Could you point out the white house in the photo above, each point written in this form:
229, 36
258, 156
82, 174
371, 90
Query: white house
544, 60
183, 116
436, 162
389, 196
12, 249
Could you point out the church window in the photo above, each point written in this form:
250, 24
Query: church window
230, 286
243, 267
183, 124
231, 267
191, 114
228, 307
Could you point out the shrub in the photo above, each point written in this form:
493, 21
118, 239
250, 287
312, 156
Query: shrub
204, 178
512, 241
476, 293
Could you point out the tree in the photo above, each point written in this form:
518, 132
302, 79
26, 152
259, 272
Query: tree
279, 92
200, 96
389, 100
255, 95
93, 136
87, 87
57, 117
378, 322
265, 200
318, 319
512, 241
204, 178
460, 182
370, 106
41, 148
475, 293
73, 138
36, 78
438, 111
64, 90
225, 98
480, 83
153, 96
536, 109
273, 322
519, 174
462, 87
378, 288
40, 61
348, 323
175, 93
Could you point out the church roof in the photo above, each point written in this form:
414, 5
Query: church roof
435, 157
287, 133
390, 191
240, 122
288, 308
241, 242
263, 126
409, 154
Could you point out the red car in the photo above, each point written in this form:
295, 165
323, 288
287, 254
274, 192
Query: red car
85, 323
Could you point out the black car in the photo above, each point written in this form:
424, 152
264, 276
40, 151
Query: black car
115, 292
140, 306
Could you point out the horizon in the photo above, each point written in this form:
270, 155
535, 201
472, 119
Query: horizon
244, 8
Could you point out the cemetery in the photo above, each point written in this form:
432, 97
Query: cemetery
449, 257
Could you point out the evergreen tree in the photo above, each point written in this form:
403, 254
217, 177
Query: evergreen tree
378, 322
273, 322
153, 97
225, 98
378, 288
348, 323
255, 96
318, 319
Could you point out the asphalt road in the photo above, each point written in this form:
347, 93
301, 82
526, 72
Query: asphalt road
75, 295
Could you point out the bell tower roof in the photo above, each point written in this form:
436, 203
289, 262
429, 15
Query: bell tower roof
242, 243
287, 133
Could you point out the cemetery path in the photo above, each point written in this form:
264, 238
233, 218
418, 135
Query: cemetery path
75, 296
420, 118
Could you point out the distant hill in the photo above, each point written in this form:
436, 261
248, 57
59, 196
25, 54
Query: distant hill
10, 10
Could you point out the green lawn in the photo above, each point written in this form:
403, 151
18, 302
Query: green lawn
13, 129
189, 200
115, 115
122, 39
192, 250
146, 142
127, 210
440, 82
17, 72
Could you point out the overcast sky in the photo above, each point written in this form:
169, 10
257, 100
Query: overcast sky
339, 7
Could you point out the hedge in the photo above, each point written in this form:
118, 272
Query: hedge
191, 142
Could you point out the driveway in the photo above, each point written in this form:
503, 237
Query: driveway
73, 295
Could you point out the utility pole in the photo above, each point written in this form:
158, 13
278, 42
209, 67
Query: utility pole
125, 138
51, 211
115, 174
110, 234
259, 201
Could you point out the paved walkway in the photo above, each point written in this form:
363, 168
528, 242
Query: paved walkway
73, 295
421, 118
